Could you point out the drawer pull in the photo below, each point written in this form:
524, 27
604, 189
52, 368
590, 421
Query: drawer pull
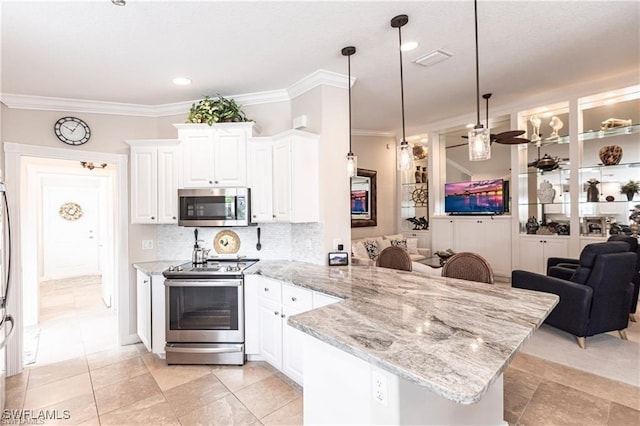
266, 289
293, 299
282, 316
276, 313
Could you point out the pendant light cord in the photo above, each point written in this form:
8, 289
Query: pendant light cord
404, 140
475, 14
349, 85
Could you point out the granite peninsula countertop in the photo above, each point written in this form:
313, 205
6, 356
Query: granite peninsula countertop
451, 336
156, 267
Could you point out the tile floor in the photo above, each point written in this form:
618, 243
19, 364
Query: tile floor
127, 386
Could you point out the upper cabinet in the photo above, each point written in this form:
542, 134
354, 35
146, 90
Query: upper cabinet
214, 155
260, 179
155, 177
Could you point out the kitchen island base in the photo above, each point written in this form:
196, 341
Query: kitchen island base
340, 388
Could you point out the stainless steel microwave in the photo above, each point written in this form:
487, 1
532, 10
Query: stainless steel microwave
214, 207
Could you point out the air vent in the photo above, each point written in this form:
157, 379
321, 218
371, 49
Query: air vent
433, 58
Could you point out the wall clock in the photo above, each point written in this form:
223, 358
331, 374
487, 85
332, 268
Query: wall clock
72, 131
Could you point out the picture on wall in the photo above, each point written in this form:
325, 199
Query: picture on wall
359, 202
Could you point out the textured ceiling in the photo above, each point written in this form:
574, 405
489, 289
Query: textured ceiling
96, 51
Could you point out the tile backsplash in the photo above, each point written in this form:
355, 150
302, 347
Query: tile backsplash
279, 241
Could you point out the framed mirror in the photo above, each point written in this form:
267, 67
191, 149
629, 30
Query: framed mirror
364, 199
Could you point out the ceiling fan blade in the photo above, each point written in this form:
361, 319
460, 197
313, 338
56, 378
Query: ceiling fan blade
509, 134
456, 146
512, 141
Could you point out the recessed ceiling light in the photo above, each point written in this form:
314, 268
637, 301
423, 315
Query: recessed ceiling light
433, 58
410, 45
181, 81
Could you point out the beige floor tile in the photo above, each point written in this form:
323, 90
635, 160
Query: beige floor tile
290, 414
236, 378
117, 372
195, 394
519, 387
266, 396
619, 415
570, 407
55, 392
18, 382
170, 376
74, 411
111, 356
42, 375
125, 393
153, 410
225, 411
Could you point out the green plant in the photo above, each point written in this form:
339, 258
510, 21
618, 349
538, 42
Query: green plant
631, 187
216, 110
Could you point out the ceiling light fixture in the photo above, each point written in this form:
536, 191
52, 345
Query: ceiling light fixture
91, 166
404, 156
119, 2
181, 81
433, 58
479, 137
352, 160
410, 45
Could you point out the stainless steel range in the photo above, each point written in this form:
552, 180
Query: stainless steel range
205, 312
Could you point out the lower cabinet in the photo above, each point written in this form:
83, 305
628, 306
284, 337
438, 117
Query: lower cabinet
151, 311
269, 303
536, 249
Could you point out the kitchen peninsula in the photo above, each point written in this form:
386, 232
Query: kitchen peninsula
406, 348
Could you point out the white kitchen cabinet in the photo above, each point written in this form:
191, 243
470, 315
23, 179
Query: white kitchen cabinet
536, 249
271, 332
158, 315
214, 156
143, 297
260, 179
490, 237
296, 186
423, 236
155, 174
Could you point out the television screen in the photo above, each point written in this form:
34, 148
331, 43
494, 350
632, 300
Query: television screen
360, 202
474, 197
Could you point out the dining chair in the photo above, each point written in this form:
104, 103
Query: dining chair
394, 258
468, 266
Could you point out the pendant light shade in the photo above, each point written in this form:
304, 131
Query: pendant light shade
479, 137
404, 154
352, 160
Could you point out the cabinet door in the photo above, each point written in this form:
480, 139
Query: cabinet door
282, 180
442, 234
168, 181
230, 157
158, 314
292, 348
260, 179
271, 332
198, 154
531, 255
143, 304
554, 247
144, 189
495, 244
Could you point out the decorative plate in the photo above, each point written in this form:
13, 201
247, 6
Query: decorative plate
70, 211
226, 242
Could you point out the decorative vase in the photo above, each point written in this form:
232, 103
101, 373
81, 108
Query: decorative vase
424, 175
546, 193
418, 175
610, 155
629, 195
532, 225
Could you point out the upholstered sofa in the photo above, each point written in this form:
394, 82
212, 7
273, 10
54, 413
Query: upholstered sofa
365, 250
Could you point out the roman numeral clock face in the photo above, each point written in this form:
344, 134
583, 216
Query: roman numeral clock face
72, 131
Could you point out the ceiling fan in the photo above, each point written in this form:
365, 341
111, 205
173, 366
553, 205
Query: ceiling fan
510, 137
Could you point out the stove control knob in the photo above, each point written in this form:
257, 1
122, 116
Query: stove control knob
172, 268
179, 268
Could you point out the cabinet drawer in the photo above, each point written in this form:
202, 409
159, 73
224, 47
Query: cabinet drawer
299, 299
270, 289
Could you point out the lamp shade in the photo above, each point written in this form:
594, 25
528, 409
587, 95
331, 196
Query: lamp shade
352, 165
404, 156
479, 144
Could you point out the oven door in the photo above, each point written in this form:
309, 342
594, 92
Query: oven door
204, 311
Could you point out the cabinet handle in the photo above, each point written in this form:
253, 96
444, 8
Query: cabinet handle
274, 216
216, 182
153, 218
253, 216
267, 288
293, 299
281, 315
174, 218
145, 282
276, 313
210, 182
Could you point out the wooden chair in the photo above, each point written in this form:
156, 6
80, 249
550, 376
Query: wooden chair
468, 266
394, 258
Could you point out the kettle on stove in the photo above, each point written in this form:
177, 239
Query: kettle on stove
199, 254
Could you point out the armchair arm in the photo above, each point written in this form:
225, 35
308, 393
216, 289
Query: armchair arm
426, 252
572, 312
554, 261
561, 272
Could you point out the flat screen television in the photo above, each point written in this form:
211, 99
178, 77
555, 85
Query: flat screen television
475, 197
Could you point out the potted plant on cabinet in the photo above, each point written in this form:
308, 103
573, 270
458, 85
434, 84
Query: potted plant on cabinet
216, 110
630, 189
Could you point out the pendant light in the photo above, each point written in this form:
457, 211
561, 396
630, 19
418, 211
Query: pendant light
479, 137
352, 160
404, 155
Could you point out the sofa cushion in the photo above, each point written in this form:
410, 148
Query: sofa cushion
372, 249
383, 244
402, 243
412, 245
358, 250
394, 237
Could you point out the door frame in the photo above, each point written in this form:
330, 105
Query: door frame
15, 180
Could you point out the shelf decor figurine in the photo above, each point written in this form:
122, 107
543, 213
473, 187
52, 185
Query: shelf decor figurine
614, 122
610, 155
556, 124
535, 123
546, 192
532, 225
418, 175
630, 189
592, 190
424, 175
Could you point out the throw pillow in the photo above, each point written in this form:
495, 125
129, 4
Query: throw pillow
412, 245
383, 244
372, 249
394, 237
358, 250
399, 243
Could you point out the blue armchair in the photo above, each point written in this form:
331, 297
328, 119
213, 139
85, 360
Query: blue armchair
597, 296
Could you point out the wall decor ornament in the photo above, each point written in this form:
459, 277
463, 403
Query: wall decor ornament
532, 225
70, 211
556, 124
610, 155
418, 175
535, 123
546, 192
593, 193
614, 122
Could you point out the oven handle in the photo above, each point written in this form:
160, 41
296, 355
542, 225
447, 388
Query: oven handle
203, 283
186, 350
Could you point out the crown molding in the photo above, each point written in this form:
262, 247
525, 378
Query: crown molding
313, 80
372, 133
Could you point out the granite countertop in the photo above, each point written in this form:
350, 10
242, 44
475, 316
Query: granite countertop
451, 336
156, 267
